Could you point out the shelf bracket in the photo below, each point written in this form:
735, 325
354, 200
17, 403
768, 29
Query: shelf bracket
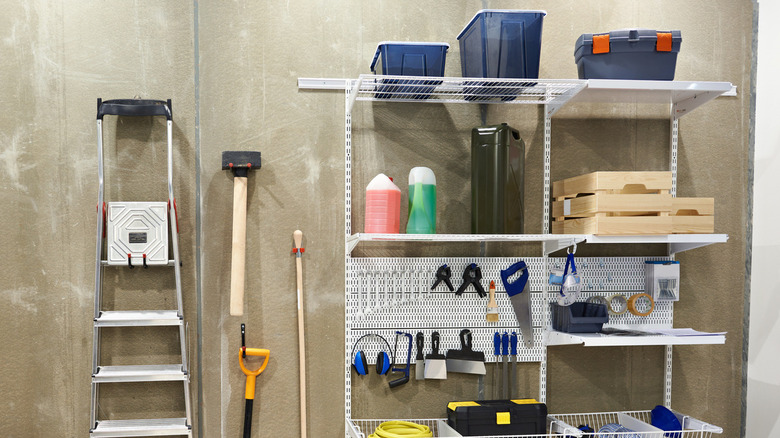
674, 248
557, 102
683, 107
550, 246
355, 86
352, 242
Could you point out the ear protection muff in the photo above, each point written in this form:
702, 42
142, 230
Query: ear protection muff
383, 360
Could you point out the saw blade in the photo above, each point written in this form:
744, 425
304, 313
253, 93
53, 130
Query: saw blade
521, 303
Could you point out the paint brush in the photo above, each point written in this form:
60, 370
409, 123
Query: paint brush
492, 307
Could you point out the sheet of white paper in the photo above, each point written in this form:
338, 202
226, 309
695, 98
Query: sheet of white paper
685, 332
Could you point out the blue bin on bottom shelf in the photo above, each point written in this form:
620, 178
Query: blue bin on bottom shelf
500, 43
397, 58
580, 317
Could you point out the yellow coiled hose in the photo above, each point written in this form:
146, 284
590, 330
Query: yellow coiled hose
401, 429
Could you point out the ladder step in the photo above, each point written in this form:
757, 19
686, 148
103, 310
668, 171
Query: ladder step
139, 373
137, 318
105, 263
135, 428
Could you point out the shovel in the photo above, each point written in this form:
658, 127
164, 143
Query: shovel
251, 379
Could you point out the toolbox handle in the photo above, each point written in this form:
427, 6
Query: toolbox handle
134, 107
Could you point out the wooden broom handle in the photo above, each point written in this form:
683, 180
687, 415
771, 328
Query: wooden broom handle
298, 238
238, 261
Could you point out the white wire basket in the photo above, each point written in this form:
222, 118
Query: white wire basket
475, 90
440, 429
560, 426
691, 426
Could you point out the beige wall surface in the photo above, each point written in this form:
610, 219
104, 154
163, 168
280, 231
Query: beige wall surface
58, 58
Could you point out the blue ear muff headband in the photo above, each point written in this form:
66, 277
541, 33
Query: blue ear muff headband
383, 360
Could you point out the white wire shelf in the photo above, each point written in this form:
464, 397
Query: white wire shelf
554, 92
551, 242
601, 340
685, 96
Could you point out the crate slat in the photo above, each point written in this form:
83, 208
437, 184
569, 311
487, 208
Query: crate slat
614, 182
613, 205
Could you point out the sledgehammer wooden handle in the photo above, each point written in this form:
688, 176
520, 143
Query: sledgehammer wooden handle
239, 163
238, 260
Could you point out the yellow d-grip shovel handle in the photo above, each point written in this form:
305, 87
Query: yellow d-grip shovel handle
251, 375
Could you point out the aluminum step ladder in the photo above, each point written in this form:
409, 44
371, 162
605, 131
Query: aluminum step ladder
137, 235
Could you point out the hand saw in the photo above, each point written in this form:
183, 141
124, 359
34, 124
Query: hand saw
520, 297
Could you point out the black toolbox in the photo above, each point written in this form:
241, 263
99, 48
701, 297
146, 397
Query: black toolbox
498, 417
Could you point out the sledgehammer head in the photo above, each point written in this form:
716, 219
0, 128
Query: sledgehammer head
240, 162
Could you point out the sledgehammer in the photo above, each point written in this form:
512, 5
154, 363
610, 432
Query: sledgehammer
240, 162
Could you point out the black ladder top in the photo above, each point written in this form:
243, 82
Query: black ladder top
134, 107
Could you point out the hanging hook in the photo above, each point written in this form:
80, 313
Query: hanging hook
572, 249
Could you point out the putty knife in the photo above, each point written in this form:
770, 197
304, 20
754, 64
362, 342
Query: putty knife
435, 363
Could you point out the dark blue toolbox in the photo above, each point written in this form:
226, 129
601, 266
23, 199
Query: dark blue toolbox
628, 54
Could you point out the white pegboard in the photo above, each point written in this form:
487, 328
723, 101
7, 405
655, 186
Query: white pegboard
395, 293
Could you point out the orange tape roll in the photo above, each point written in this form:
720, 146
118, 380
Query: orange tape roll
632, 304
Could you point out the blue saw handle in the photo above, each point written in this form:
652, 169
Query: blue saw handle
497, 344
513, 343
518, 285
505, 344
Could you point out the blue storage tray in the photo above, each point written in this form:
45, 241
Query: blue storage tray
398, 58
580, 317
632, 55
500, 43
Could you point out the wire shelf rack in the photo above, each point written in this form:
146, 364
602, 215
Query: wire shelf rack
691, 426
561, 425
439, 428
468, 90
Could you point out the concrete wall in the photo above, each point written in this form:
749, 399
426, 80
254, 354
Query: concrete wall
58, 58
763, 409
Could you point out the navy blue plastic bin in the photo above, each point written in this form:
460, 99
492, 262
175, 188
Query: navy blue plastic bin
580, 317
628, 54
500, 43
398, 58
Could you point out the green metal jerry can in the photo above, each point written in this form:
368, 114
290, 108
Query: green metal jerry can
497, 170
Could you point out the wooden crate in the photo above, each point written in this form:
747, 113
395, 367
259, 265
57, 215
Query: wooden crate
693, 215
627, 203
